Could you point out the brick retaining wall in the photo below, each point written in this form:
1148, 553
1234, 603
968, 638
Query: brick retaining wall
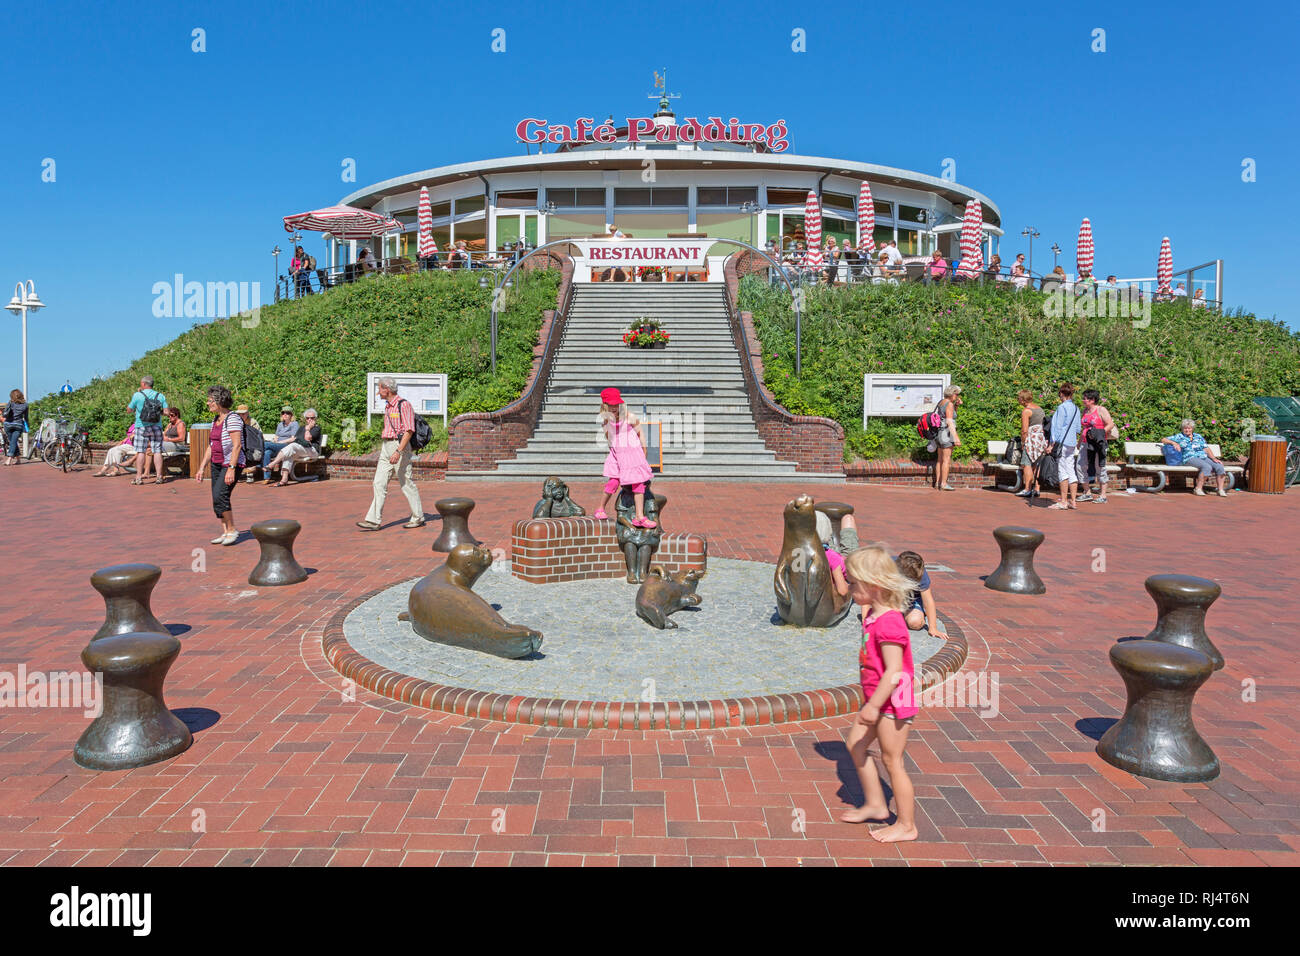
546, 550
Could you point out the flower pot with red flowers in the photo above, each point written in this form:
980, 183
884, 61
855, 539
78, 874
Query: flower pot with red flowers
650, 273
646, 333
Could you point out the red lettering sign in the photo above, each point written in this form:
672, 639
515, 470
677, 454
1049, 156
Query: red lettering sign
641, 128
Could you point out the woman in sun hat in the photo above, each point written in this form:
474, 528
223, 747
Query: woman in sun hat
626, 464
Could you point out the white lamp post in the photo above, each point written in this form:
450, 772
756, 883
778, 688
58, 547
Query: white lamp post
24, 299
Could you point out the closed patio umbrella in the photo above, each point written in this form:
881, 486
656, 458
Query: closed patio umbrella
812, 232
426, 247
972, 232
1083, 250
342, 222
1165, 268
866, 220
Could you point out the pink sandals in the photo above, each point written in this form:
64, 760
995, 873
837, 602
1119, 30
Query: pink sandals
643, 523
600, 514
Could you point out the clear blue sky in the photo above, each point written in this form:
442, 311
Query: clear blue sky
173, 161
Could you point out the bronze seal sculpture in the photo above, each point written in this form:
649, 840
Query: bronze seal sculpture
662, 594
444, 609
805, 593
556, 502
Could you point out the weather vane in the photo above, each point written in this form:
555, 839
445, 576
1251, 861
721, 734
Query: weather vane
663, 96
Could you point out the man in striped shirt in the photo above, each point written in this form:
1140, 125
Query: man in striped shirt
394, 457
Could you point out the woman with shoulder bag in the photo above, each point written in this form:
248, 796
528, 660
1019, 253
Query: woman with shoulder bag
1098, 429
1033, 441
944, 442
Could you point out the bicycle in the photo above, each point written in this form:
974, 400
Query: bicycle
1292, 457
70, 446
37, 440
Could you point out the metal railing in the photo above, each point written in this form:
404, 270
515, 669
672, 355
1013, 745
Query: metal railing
323, 278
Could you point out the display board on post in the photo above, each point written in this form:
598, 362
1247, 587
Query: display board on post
427, 393
901, 396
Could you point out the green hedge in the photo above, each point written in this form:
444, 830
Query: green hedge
1188, 363
316, 351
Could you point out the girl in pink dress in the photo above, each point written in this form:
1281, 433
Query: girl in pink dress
625, 465
888, 677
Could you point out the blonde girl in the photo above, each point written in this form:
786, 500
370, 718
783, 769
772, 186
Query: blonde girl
626, 464
887, 675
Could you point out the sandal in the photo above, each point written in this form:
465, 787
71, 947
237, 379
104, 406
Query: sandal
600, 515
160, 481
643, 523
1059, 506
137, 481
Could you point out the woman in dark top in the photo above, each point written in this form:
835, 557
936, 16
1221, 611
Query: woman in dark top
15, 420
1033, 441
305, 445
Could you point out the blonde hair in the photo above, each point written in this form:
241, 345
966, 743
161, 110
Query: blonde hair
874, 567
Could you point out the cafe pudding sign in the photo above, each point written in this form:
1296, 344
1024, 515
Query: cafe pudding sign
642, 129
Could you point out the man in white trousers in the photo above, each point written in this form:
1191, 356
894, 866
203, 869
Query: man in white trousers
394, 457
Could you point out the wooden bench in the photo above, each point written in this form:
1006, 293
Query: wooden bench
1159, 472
308, 462
997, 449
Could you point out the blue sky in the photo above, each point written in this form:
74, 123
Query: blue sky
168, 160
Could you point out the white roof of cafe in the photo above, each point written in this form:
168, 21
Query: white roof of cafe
624, 158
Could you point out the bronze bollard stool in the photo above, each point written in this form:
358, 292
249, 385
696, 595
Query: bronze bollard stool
1181, 603
1016, 574
1156, 737
126, 589
835, 510
455, 523
135, 727
277, 565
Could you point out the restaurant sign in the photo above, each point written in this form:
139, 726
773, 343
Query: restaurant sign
611, 253
642, 129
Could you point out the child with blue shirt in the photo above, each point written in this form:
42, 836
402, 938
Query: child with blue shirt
921, 611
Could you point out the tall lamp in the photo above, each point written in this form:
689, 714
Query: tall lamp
484, 280
25, 298
276, 252
1032, 233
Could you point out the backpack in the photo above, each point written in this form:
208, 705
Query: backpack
151, 411
422, 435
928, 425
254, 444
1014, 453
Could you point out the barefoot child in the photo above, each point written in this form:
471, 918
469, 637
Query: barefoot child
920, 612
626, 463
848, 544
885, 664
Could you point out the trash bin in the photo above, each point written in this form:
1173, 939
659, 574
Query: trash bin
1268, 464
199, 436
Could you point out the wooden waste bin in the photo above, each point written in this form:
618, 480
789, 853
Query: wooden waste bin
199, 437
1268, 464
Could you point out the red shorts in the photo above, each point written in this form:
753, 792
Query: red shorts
612, 486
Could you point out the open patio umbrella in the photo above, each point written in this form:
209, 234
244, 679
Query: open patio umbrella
812, 232
1165, 267
866, 220
972, 232
1083, 250
343, 222
426, 247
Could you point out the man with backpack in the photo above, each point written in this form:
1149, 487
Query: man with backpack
148, 406
404, 433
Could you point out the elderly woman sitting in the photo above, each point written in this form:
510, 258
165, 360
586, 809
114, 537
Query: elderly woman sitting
1193, 450
117, 457
305, 445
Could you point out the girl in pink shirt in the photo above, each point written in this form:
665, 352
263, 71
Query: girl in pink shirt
885, 665
625, 465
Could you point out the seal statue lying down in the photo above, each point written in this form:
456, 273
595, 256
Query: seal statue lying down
805, 593
662, 594
444, 609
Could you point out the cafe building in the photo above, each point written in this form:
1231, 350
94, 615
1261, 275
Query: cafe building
664, 177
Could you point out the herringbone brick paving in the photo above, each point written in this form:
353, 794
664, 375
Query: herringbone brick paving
285, 770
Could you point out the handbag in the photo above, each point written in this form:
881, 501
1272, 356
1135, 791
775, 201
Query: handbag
1015, 452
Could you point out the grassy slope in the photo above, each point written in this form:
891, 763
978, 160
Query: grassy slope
1189, 363
316, 352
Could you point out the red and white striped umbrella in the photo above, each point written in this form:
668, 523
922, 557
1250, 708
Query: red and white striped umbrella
866, 219
343, 222
972, 234
426, 247
1165, 267
812, 232
1083, 250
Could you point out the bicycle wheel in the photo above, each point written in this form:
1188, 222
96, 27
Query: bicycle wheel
52, 454
76, 452
1292, 465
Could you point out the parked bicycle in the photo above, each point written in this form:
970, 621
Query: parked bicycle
70, 445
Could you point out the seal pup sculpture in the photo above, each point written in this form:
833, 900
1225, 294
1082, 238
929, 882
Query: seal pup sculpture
444, 609
662, 594
805, 593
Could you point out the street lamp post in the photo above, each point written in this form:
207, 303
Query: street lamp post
1032, 233
750, 208
276, 252
1056, 252
497, 295
25, 298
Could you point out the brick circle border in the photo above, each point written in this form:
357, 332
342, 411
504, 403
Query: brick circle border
614, 715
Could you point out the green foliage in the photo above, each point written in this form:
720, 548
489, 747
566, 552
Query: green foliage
316, 352
1188, 363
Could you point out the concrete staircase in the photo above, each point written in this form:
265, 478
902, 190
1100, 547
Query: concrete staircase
695, 387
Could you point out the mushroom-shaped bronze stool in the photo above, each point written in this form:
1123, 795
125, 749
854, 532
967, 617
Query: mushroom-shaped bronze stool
835, 510
1181, 603
455, 523
1156, 737
126, 589
1016, 574
277, 566
135, 727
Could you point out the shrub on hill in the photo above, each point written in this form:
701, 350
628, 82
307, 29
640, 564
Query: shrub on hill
316, 351
1188, 363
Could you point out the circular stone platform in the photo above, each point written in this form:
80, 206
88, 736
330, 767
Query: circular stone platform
729, 661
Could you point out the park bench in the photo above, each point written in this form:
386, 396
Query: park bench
997, 449
1159, 472
315, 462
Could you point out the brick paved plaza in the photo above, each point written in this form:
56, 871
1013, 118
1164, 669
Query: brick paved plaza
286, 770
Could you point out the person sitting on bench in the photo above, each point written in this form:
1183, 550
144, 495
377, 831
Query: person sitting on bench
305, 445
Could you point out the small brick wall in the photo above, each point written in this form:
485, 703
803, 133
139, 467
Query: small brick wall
811, 442
547, 550
920, 473
478, 440
431, 467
